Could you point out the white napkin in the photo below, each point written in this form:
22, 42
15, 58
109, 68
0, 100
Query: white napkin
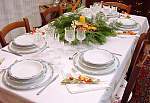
79, 88
8, 59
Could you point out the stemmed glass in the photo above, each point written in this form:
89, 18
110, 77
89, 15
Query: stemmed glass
69, 34
80, 35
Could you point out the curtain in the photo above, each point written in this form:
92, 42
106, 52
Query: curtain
14, 10
43, 2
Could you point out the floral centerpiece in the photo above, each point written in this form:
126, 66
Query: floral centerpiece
96, 32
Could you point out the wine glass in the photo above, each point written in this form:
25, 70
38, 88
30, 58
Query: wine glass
80, 35
69, 34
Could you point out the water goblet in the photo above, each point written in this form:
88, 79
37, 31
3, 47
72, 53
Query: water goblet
69, 34
80, 35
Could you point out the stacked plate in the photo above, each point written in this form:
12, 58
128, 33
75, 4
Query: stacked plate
27, 74
127, 24
112, 14
95, 61
26, 44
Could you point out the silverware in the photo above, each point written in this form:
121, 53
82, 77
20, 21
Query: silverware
116, 54
11, 52
39, 92
42, 50
70, 58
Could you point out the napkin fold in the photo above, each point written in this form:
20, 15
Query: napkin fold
80, 88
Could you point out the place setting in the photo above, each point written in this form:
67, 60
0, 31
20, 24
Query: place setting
89, 68
95, 62
26, 44
126, 24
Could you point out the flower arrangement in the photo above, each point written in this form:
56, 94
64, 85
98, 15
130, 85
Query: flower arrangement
95, 32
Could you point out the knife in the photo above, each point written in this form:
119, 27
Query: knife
39, 92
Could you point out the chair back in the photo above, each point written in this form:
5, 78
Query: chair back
135, 71
11, 26
75, 5
50, 14
121, 6
135, 54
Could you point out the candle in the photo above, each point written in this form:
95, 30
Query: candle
82, 19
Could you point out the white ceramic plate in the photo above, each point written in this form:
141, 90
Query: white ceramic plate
26, 69
13, 48
126, 28
36, 84
24, 40
134, 28
83, 65
23, 47
95, 72
113, 14
97, 57
127, 22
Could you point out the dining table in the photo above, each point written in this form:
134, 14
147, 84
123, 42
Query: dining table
58, 55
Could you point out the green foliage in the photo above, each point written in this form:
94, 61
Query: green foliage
99, 36
69, 8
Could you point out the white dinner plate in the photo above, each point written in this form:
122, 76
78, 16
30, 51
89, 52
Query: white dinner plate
95, 72
97, 57
126, 28
126, 22
36, 84
83, 65
13, 48
113, 14
26, 69
24, 40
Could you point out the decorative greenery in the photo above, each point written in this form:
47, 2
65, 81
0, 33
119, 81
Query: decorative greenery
92, 36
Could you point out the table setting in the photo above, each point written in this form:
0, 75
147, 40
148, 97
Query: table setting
75, 56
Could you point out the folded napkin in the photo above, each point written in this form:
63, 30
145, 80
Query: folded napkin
6, 59
79, 88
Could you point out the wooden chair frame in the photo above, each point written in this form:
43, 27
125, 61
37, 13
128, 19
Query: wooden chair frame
53, 9
74, 6
119, 5
135, 72
135, 54
11, 26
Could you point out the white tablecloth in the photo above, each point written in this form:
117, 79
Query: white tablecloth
57, 93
